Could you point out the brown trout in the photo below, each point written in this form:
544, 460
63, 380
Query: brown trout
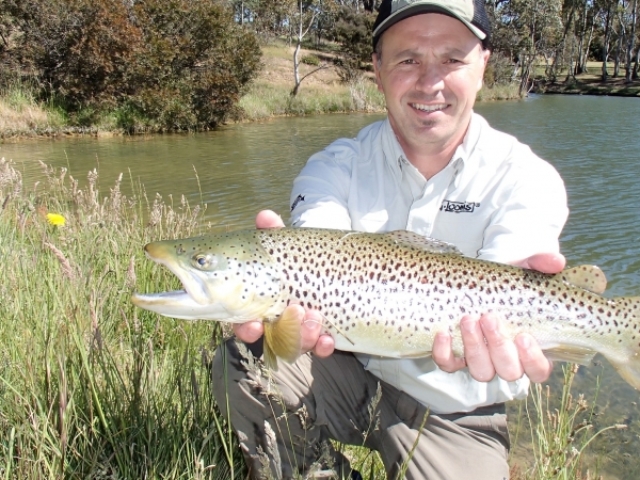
389, 294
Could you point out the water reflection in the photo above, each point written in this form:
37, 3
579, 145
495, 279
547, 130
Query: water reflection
240, 169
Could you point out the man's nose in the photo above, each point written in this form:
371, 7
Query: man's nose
430, 78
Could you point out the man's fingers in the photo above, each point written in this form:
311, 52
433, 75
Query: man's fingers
321, 344
476, 351
443, 356
248, 332
536, 365
324, 347
544, 262
502, 350
268, 219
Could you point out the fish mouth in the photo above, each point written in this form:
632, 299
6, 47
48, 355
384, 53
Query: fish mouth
179, 304
163, 253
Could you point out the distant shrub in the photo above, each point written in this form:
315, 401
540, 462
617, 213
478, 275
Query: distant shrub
78, 50
311, 60
195, 63
353, 32
182, 64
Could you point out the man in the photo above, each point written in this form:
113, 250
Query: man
436, 168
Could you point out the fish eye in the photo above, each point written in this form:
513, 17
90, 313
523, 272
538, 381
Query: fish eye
205, 261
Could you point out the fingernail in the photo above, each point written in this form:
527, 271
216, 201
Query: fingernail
311, 324
524, 341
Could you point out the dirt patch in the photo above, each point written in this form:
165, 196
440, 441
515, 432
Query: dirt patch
278, 67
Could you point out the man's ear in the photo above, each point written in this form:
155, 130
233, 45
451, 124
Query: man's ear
376, 69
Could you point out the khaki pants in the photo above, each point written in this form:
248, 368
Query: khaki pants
284, 421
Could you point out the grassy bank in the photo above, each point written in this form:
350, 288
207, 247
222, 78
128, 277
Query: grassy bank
268, 96
91, 387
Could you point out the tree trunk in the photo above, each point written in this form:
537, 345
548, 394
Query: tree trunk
571, 76
631, 43
583, 54
302, 32
616, 60
586, 51
605, 43
296, 68
558, 60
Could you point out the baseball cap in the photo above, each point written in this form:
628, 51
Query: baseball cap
470, 12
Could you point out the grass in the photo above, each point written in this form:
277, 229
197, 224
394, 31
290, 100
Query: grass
21, 114
91, 387
561, 430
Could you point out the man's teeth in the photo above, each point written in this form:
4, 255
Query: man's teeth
428, 108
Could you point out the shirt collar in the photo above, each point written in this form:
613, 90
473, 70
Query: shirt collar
393, 153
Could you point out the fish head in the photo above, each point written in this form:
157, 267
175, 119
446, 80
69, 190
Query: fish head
225, 277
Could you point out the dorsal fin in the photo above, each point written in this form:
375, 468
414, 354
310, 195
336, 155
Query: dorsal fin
412, 239
588, 277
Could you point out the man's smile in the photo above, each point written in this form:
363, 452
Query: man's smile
429, 108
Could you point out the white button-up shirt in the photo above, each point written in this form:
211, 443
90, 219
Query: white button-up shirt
494, 200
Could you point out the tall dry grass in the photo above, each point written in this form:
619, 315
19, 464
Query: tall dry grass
89, 386
21, 113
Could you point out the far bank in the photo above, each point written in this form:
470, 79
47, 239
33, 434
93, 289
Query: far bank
323, 90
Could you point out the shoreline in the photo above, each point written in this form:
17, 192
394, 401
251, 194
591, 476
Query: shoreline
614, 87
589, 86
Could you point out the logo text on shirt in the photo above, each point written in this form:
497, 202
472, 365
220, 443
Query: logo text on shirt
458, 207
299, 198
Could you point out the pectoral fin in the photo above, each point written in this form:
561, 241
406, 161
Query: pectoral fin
282, 339
572, 354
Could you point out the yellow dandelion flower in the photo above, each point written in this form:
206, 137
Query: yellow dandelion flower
56, 219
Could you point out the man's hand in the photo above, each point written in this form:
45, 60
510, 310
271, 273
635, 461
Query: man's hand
312, 338
488, 352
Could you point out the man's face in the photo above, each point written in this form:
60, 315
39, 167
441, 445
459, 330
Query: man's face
430, 71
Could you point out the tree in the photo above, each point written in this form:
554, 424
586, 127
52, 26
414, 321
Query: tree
305, 19
353, 33
80, 49
178, 63
195, 63
631, 42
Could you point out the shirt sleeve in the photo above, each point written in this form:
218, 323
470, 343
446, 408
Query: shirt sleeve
320, 192
530, 217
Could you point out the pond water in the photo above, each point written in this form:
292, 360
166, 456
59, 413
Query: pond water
240, 169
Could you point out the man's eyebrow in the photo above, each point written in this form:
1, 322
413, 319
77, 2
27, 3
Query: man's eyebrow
449, 52
407, 52
456, 52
